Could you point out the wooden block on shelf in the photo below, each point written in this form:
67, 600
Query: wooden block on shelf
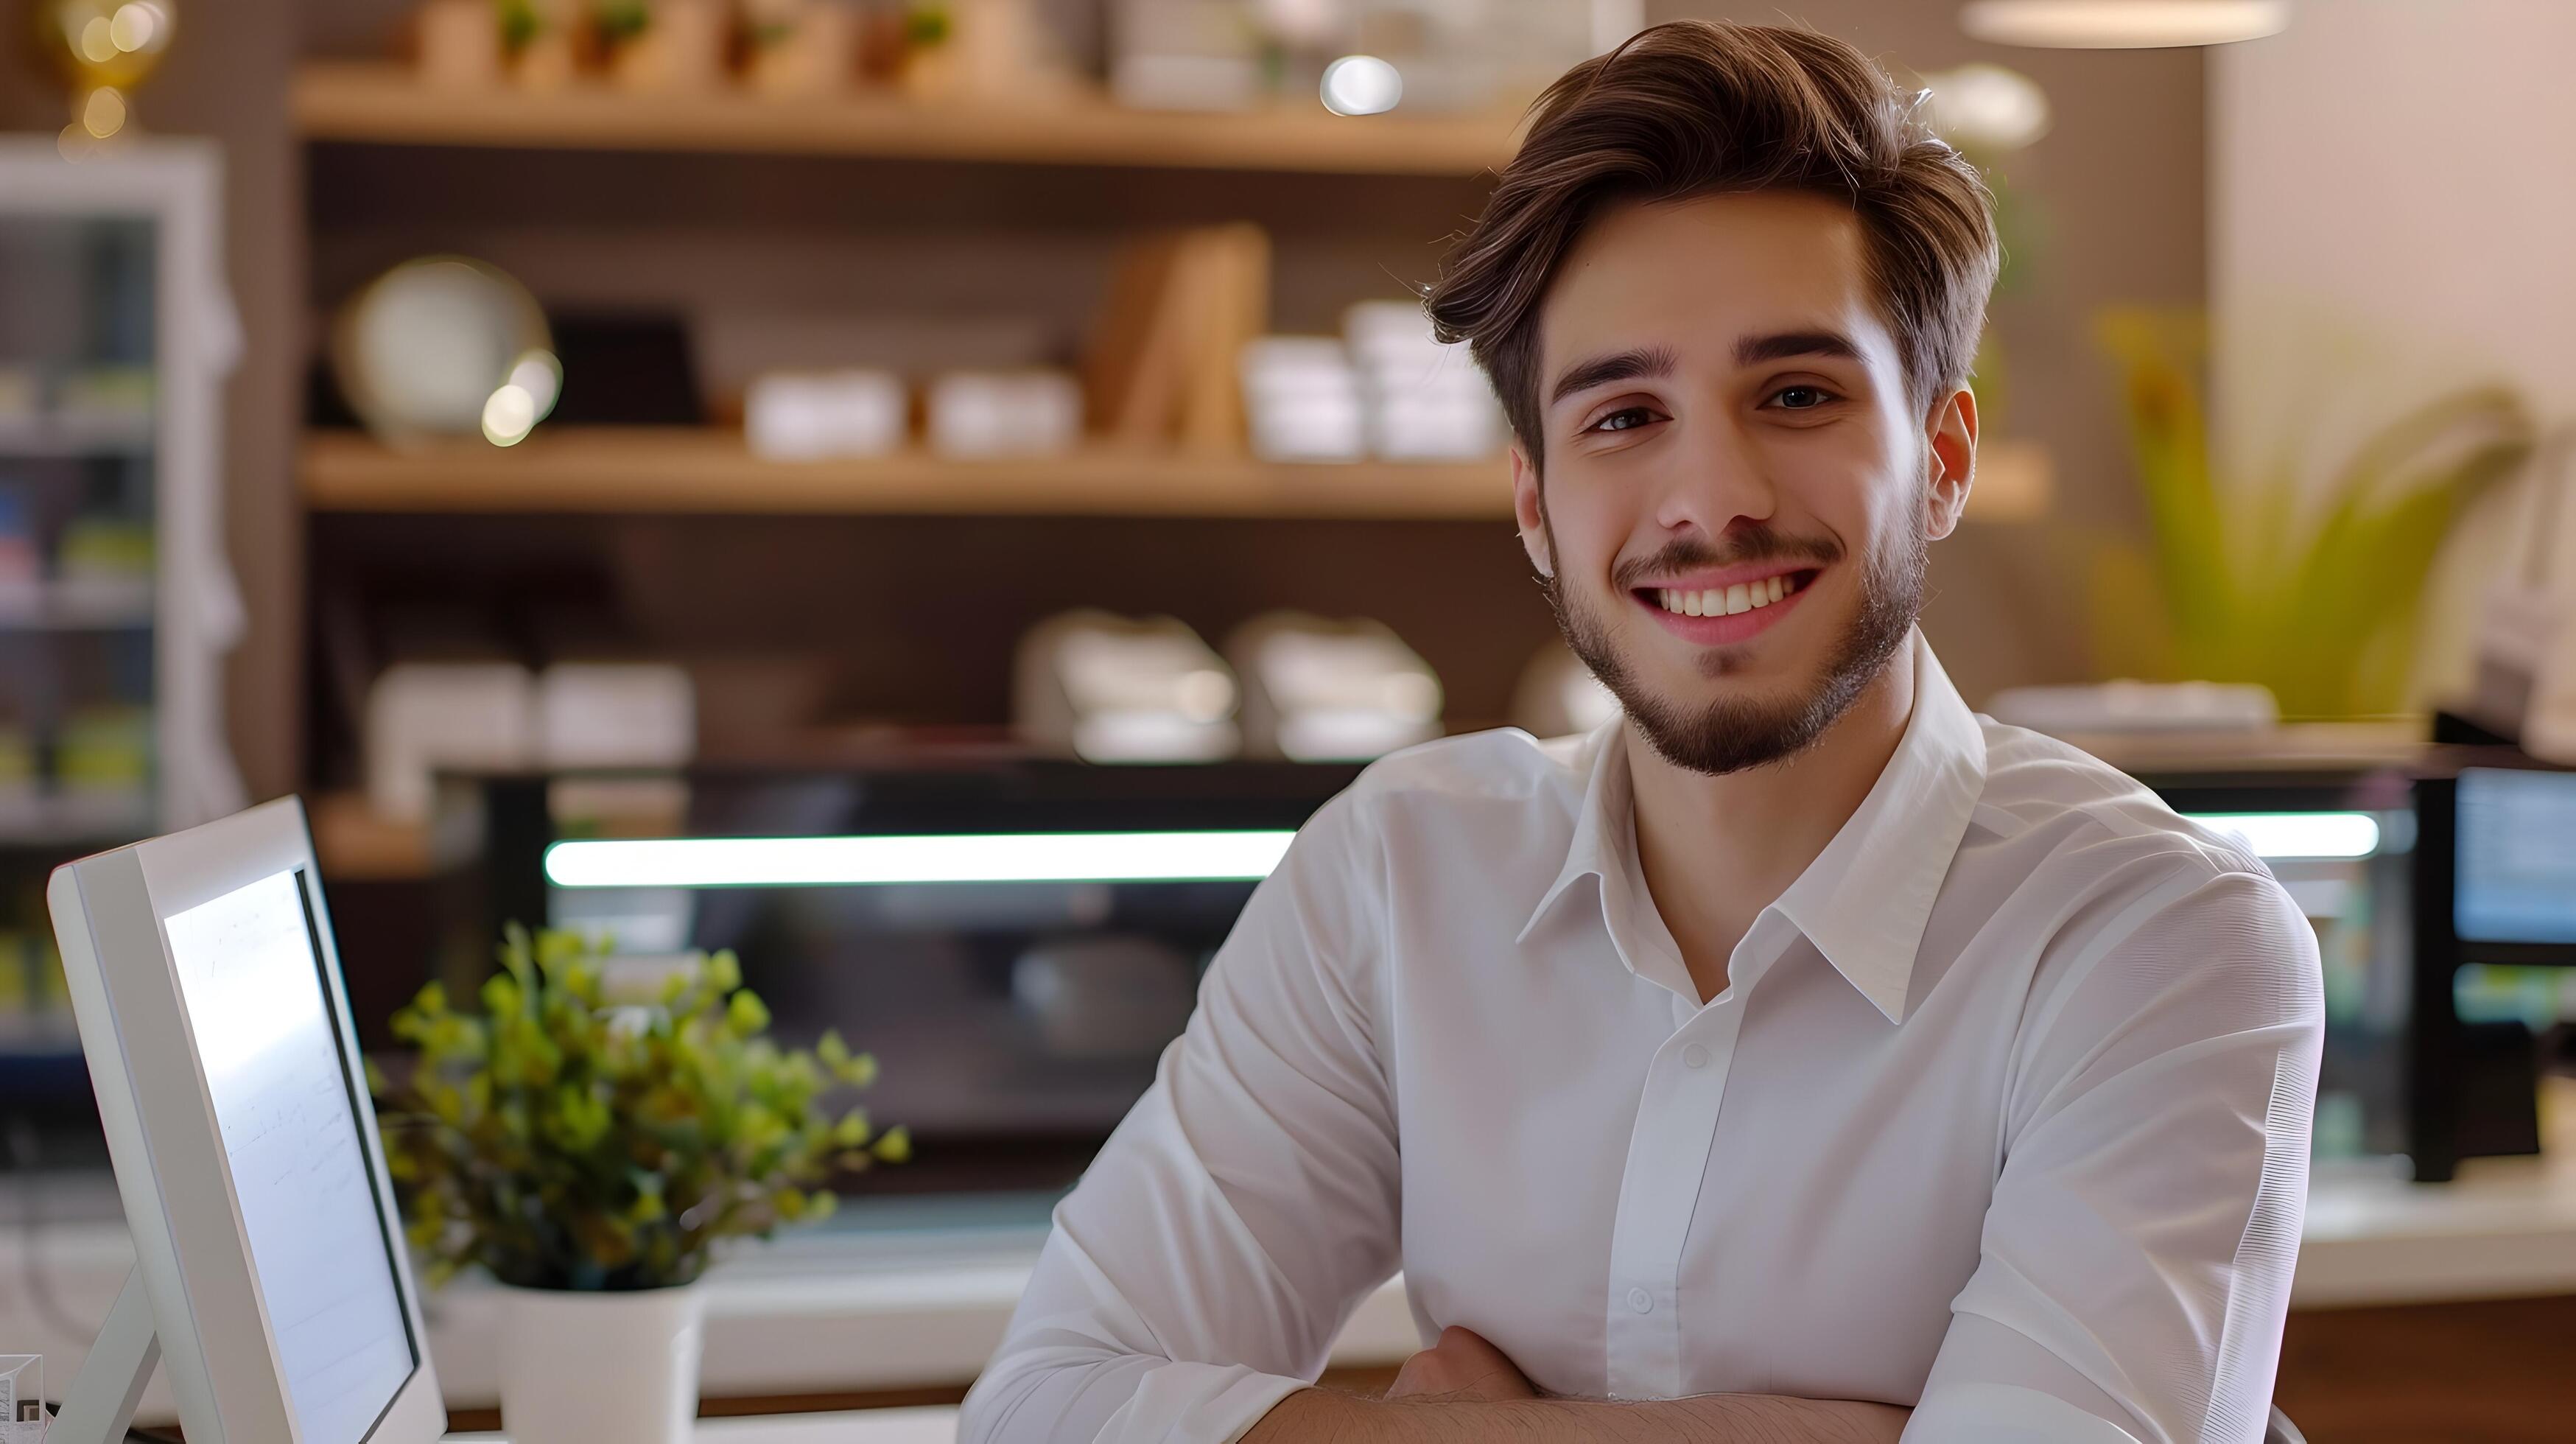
353, 844
1232, 307
1162, 365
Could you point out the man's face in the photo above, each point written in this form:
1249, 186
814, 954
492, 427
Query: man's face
1738, 491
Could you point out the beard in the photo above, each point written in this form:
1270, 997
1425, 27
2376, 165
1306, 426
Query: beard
1732, 734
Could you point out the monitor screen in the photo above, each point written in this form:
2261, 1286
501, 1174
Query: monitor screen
250, 971
2517, 856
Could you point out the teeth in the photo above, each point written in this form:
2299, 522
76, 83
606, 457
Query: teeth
1726, 601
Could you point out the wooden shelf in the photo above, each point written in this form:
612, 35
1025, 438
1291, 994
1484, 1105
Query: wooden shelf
686, 470
385, 104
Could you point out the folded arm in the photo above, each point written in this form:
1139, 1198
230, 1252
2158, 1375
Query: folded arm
1320, 1415
1463, 1389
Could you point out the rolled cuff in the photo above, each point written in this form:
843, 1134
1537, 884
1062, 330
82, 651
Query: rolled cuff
1984, 1413
1183, 1402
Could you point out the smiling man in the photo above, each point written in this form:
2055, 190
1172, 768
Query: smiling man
1802, 1057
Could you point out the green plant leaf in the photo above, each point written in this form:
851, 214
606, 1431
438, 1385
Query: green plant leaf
554, 1141
2323, 615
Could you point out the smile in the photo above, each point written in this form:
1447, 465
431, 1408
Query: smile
1719, 611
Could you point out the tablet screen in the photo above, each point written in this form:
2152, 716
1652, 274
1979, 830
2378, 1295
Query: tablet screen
321, 1240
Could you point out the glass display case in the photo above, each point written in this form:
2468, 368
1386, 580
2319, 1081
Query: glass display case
1017, 1018
115, 603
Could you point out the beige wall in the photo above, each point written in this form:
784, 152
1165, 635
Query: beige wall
2391, 216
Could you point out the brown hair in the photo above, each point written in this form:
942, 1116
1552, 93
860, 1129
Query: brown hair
1696, 107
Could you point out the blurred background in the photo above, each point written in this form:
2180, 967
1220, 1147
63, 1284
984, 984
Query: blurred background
515, 422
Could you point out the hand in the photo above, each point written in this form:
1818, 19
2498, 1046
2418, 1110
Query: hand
1461, 1367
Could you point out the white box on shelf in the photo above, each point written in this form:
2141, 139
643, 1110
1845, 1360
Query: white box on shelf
1426, 399
815, 416
422, 716
616, 714
1005, 413
1302, 399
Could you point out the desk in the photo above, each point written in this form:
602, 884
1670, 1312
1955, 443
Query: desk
865, 1426
853, 1312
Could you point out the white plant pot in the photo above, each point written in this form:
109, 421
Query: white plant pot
581, 1367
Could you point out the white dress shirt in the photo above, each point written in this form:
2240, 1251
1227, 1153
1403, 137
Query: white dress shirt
2003, 1114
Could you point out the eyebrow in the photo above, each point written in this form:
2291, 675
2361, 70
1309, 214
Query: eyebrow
1643, 363
1781, 346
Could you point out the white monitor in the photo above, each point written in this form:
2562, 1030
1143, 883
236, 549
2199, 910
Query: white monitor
270, 1271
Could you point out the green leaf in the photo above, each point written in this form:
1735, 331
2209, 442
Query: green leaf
2323, 614
556, 1142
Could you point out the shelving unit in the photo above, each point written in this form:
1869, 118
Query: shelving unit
76, 606
607, 471
135, 240
75, 435
386, 104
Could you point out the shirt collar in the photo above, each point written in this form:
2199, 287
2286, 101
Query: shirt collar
1866, 898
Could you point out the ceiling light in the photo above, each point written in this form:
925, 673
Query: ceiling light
2121, 24
1361, 85
1986, 107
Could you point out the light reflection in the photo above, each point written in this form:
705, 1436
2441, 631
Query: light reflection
104, 114
136, 27
509, 415
540, 375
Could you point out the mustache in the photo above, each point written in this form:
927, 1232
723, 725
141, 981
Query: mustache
1752, 544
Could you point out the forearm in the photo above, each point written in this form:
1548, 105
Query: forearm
1318, 1416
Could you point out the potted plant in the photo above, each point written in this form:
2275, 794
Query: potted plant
590, 1152
2311, 590
661, 45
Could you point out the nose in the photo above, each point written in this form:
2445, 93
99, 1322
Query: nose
1716, 482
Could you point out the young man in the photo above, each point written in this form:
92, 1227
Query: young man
1801, 1058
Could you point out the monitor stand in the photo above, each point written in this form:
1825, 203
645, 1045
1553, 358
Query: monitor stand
100, 1406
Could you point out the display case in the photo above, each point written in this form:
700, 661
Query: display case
1018, 1018
115, 602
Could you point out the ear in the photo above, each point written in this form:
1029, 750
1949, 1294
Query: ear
1951, 431
1530, 511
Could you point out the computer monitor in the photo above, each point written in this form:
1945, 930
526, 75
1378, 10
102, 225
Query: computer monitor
270, 1274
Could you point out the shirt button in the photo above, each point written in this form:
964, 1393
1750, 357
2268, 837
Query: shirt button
1694, 1056
1642, 1301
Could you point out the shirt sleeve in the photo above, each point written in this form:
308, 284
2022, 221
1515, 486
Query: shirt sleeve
1203, 1266
2136, 1259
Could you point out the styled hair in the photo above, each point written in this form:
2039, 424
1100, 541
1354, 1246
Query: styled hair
1697, 107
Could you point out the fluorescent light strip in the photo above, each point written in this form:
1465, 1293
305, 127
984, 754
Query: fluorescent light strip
863, 861
2299, 834
1136, 856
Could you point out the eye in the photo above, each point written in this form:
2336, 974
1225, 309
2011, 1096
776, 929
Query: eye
1801, 398
1625, 419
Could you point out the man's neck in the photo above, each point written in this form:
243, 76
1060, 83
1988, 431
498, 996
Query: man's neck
1716, 851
